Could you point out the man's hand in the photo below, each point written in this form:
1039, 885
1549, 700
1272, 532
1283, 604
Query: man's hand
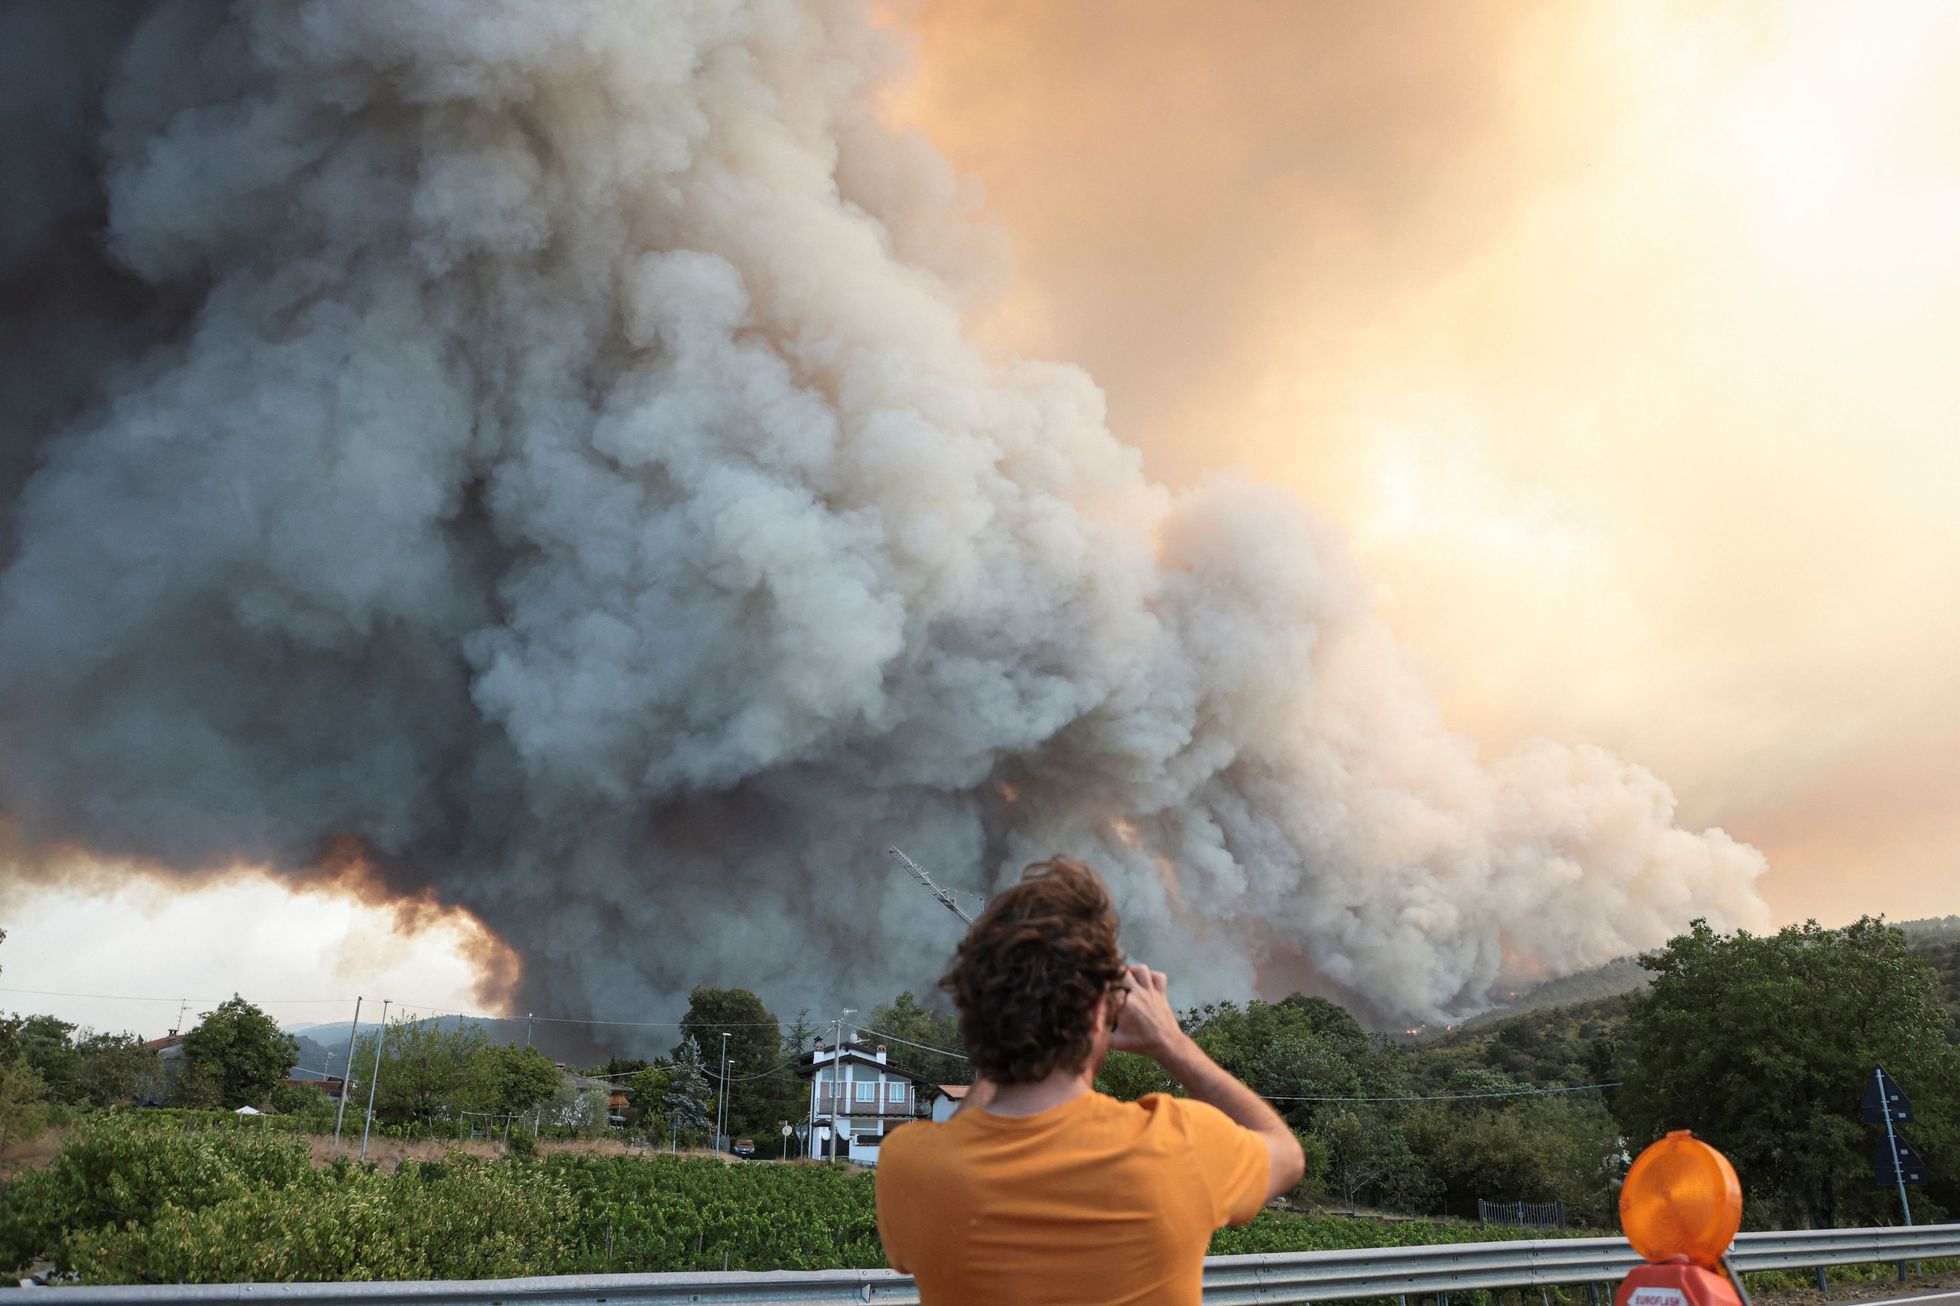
1145, 1023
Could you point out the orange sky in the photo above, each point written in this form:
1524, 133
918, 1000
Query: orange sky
1618, 337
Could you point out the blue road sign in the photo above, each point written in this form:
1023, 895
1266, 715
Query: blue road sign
1884, 1098
1910, 1169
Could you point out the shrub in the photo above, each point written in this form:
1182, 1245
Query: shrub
120, 1169
461, 1219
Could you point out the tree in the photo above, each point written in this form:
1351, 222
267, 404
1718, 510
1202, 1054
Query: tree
688, 1103
647, 1103
792, 1087
1534, 1150
309, 1100
577, 1106
243, 1051
21, 1094
618, 1067
516, 1080
1368, 1157
115, 1069
1763, 1045
21, 1089
199, 1086
914, 1032
1299, 1047
430, 1070
44, 1043
754, 1049
1126, 1077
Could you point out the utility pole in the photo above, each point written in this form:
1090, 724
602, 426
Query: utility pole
528, 1018
836, 1067
374, 1080
816, 1077
347, 1081
836, 1077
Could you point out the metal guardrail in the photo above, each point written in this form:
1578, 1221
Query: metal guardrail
1409, 1272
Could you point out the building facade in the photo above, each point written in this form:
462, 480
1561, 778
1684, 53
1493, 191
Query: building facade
856, 1098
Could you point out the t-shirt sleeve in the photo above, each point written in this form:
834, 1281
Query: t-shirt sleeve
1232, 1162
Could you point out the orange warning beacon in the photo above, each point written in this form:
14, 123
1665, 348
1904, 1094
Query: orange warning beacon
1680, 1207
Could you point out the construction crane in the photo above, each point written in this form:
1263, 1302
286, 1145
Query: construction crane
949, 898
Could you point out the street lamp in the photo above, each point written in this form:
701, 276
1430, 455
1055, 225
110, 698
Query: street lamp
721, 1106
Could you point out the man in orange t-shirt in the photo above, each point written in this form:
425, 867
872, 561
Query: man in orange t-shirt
1040, 1189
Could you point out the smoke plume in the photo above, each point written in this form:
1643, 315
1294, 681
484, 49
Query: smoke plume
536, 441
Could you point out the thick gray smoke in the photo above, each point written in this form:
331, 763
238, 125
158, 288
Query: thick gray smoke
536, 440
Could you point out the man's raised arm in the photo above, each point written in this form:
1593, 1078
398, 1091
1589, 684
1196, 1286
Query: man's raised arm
1148, 1027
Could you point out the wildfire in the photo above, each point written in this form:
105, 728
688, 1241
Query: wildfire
347, 869
1009, 794
1127, 831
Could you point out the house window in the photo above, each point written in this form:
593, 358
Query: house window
897, 1092
867, 1090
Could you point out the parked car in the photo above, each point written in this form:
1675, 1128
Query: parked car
744, 1148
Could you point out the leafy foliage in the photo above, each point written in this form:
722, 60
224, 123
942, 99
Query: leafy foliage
921, 1028
461, 1219
1299, 1047
1369, 1156
308, 1100
688, 1100
761, 1088
438, 1070
240, 1050
21, 1093
1763, 1046
121, 1170
680, 1214
1273, 1232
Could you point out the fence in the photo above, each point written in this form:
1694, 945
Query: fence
1522, 1215
1404, 1272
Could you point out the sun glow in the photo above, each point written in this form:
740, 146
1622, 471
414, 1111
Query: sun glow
1620, 336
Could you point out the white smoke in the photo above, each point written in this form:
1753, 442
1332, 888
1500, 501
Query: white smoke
536, 438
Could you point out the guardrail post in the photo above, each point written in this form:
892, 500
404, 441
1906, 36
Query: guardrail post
1822, 1286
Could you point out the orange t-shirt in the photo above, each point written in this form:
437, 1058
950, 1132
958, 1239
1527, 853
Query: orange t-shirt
1092, 1201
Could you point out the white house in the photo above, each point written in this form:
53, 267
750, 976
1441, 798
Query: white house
857, 1094
948, 1101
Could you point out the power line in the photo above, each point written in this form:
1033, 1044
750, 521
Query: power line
743, 1079
1449, 1097
923, 1047
1277, 1097
436, 1011
134, 997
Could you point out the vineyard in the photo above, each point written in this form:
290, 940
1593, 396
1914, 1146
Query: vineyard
134, 1200
147, 1200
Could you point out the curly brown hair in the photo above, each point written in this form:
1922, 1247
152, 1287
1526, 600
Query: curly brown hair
1027, 975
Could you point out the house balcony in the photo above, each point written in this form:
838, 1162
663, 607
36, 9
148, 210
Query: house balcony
907, 1110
